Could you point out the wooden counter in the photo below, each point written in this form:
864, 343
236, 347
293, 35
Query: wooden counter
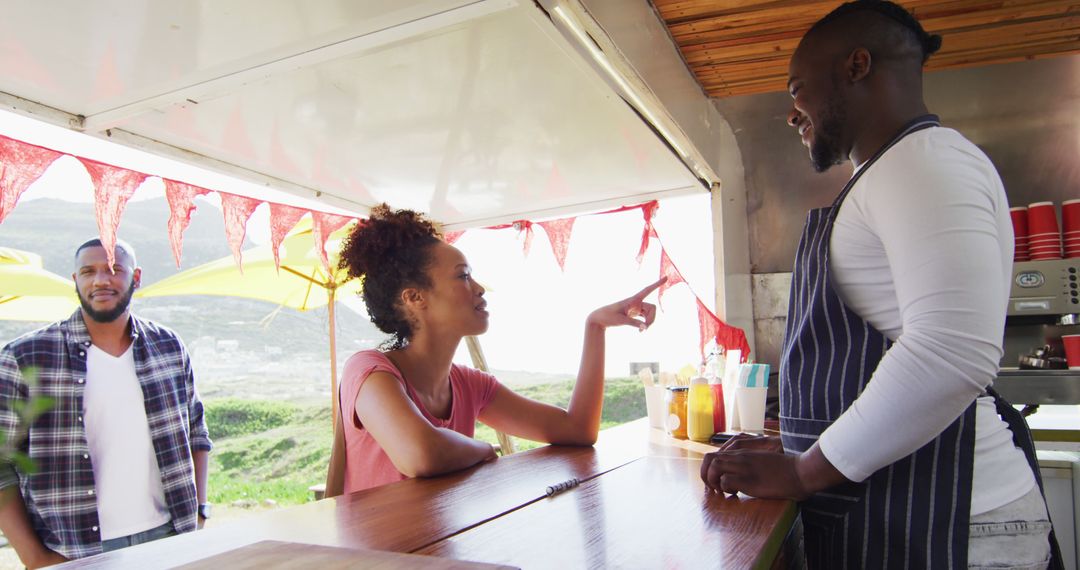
640, 503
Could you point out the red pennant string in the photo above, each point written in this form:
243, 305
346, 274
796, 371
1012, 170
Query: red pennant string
726, 336
708, 324
322, 226
647, 211
237, 210
451, 237
181, 198
21, 164
113, 187
526, 227
558, 232
282, 219
667, 269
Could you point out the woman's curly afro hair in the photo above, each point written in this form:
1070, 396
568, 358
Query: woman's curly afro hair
390, 251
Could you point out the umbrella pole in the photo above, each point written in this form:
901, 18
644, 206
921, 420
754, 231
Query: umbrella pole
333, 359
480, 363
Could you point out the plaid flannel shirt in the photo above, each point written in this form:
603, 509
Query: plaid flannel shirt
60, 499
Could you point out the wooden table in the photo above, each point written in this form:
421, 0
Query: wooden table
640, 503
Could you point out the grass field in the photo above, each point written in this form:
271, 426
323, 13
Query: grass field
269, 452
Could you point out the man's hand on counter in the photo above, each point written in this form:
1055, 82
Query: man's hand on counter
757, 466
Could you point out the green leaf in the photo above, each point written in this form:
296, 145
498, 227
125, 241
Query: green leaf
23, 462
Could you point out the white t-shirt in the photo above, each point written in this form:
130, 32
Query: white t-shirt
127, 479
922, 250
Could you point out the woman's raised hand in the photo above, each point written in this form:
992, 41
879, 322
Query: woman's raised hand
631, 311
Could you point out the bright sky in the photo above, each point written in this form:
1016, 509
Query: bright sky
537, 311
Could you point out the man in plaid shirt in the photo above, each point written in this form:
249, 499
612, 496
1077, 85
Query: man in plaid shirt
120, 458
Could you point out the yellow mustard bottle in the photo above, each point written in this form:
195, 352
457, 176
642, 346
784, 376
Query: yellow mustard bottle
699, 410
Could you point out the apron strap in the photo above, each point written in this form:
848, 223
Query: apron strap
1022, 439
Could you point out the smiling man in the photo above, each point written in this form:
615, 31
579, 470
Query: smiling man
893, 441
120, 457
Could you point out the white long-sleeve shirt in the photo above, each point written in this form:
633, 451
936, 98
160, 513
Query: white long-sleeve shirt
922, 250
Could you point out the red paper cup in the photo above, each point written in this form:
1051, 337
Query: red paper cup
1042, 219
1045, 236
1070, 216
1072, 349
1019, 220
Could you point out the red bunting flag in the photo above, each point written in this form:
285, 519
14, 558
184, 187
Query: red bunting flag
558, 232
282, 219
113, 187
648, 209
21, 164
181, 199
322, 226
726, 336
525, 227
237, 210
451, 237
667, 269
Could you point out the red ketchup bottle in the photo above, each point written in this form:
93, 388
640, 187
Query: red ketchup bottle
718, 417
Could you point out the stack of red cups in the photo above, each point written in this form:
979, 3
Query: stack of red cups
1020, 233
1070, 226
1044, 237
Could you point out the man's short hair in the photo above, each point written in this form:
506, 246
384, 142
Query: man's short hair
120, 245
897, 15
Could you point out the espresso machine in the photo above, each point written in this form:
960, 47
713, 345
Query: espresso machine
1044, 304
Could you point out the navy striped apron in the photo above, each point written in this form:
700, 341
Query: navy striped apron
912, 514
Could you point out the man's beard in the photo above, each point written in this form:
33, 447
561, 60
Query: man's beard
112, 314
825, 151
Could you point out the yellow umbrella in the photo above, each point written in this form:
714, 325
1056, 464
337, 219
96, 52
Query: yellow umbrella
28, 292
302, 283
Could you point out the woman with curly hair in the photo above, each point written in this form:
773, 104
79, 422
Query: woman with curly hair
408, 410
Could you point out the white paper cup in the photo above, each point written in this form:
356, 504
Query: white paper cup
751, 403
654, 405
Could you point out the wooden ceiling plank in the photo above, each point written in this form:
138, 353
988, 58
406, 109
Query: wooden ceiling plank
738, 47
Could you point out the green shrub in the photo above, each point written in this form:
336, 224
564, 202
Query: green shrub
232, 418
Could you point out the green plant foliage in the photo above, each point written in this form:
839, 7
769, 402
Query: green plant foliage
232, 418
26, 411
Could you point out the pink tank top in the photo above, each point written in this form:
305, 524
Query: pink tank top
366, 464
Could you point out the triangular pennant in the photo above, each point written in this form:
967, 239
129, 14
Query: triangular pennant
726, 336
236, 211
181, 198
282, 219
322, 226
667, 269
451, 237
648, 209
21, 164
525, 227
113, 187
558, 232
709, 325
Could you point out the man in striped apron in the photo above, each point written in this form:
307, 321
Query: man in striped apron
897, 449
